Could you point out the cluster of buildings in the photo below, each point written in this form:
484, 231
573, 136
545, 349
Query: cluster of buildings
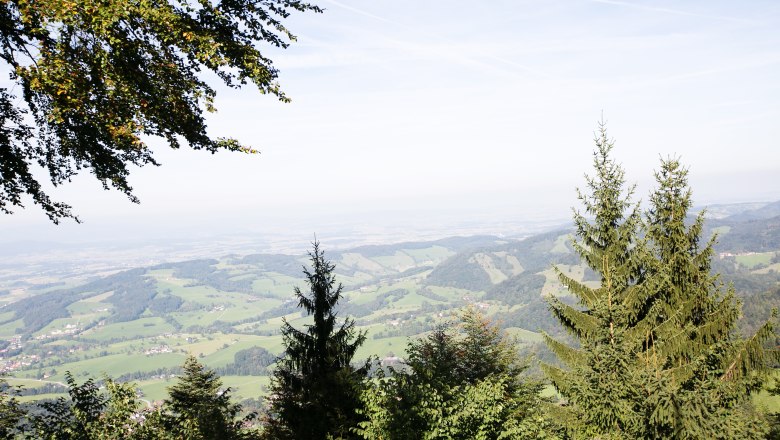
70, 329
723, 255
15, 343
19, 363
158, 349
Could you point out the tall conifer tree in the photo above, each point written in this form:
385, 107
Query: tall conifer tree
315, 391
698, 371
199, 408
658, 355
609, 245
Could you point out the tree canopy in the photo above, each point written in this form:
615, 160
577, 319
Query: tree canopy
94, 79
315, 390
458, 382
199, 407
10, 411
658, 354
87, 414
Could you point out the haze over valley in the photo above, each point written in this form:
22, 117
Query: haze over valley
136, 311
278, 220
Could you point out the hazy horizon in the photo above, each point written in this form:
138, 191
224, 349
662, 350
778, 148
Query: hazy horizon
415, 116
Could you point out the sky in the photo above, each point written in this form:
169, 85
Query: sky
432, 113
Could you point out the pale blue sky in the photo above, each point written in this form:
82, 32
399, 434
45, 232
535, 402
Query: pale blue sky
473, 110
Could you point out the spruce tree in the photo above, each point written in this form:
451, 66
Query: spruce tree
658, 355
700, 372
597, 382
315, 391
199, 408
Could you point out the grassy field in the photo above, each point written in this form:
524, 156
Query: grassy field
358, 261
560, 246
767, 402
431, 255
6, 316
241, 387
214, 325
113, 365
523, 335
139, 328
8, 330
513, 262
399, 262
246, 387
221, 356
485, 261
382, 347
753, 260
768, 269
412, 301
275, 285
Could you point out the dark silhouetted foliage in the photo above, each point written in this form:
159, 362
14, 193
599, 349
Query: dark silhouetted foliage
315, 391
95, 79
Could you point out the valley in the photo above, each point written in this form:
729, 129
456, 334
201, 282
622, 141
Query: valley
139, 324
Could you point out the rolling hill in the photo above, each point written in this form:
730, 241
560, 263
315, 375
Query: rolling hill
139, 324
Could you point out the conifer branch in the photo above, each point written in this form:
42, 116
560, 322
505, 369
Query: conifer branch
751, 355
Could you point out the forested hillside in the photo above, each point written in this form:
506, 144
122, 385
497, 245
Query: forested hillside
229, 322
219, 308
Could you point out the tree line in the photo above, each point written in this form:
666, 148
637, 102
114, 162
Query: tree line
652, 352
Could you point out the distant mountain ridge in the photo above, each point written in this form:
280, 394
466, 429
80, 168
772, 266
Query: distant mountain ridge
765, 212
454, 243
719, 211
219, 307
758, 235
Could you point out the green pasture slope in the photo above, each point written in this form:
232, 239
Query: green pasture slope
216, 309
754, 260
139, 325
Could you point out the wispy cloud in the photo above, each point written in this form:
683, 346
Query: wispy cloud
735, 65
674, 11
447, 48
363, 12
